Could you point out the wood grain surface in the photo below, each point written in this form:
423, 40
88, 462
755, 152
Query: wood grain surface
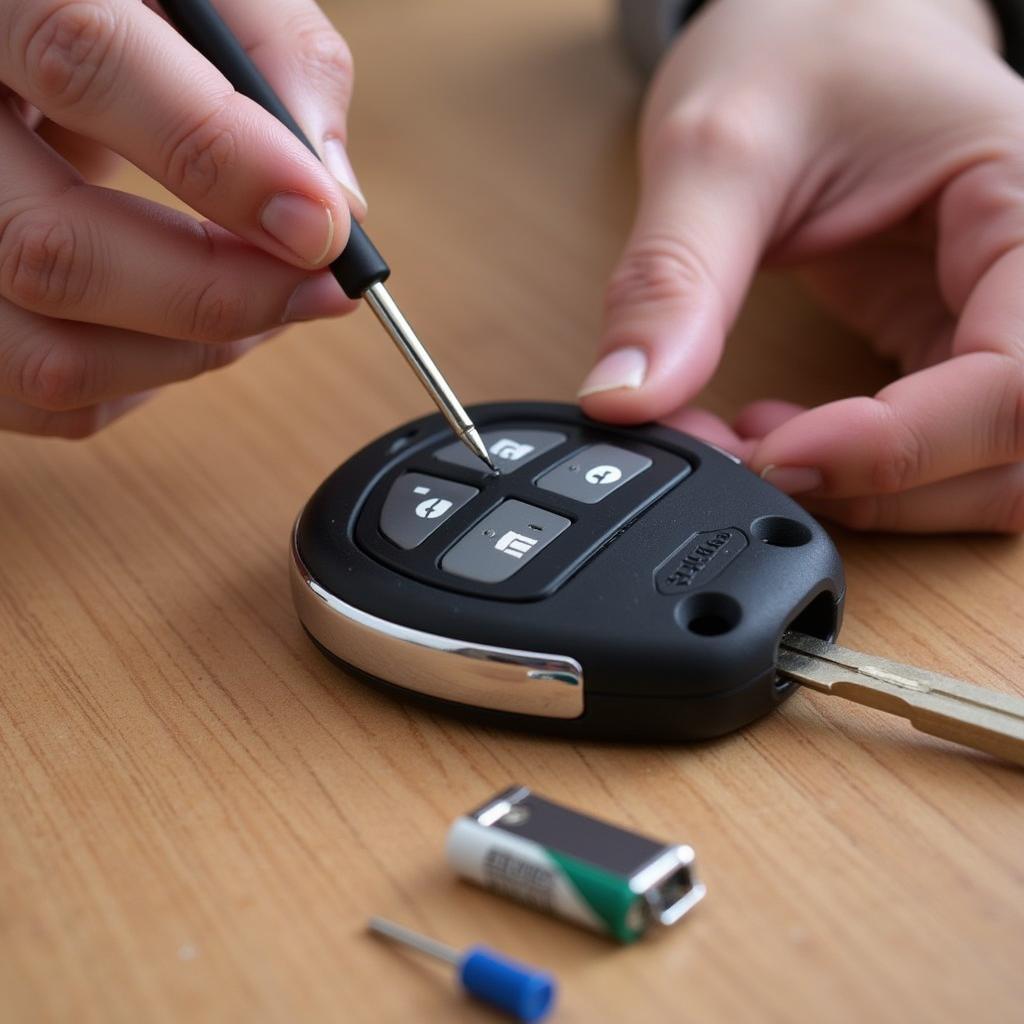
199, 812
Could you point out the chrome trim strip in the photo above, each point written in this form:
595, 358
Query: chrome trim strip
498, 678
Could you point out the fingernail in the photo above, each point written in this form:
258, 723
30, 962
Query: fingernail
300, 224
338, 163
792, 479
315, 297
623, 368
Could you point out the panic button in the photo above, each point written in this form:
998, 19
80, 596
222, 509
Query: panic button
592, 474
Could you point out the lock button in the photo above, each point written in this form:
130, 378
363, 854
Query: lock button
418, 504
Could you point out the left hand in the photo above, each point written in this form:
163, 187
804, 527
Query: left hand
880, 144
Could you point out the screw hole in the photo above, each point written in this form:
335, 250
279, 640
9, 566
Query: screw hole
709, 625
780, 532
709, 614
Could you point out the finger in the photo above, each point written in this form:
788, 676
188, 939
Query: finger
206, 285
710, 428
308, 65
73, 424
759, 418
79, 252
886, 289
960, 415
59, 366
703, 221
93, 162
115, 71
988, 500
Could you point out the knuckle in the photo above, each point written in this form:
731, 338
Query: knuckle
57, 376
214, 313
70, 55
988, 192
659, 270
41, 264
325, 61
728, 130
202, 157
981, 217
901, 462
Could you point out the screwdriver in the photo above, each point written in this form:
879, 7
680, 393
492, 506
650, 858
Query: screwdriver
360, 269
519, 990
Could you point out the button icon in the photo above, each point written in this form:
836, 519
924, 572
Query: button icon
504, 542
506, 448
510, 447
433, 508
603, 475
594, 472
514, 544
417, 504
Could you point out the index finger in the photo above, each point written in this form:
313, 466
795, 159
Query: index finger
116, 72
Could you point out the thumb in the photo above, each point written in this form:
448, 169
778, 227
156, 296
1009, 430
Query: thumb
711, 191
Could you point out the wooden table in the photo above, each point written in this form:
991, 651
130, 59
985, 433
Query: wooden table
199, 812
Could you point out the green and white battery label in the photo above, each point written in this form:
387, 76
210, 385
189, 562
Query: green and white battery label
546, 879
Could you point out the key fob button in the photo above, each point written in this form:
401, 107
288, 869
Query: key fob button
509, 448
418, 504
503, 542
593, 473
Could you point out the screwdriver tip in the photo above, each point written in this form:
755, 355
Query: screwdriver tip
479, 449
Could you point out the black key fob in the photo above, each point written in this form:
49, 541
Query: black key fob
621, 582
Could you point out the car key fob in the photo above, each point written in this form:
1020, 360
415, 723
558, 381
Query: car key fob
618, 582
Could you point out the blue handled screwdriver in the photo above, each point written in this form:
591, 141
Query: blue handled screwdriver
520, 990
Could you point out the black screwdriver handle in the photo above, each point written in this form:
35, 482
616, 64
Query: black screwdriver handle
359, 265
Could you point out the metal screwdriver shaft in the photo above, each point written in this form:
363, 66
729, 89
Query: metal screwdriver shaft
398, 933
519, 990
379, 299
360, 269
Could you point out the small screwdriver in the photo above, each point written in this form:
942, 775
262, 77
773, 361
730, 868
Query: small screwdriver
519, 990
360, 269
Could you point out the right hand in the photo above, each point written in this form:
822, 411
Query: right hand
877, 145
104, 296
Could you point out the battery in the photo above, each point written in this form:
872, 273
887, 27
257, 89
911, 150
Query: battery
609, 879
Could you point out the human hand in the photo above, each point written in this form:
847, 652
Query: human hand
105, 296
880, 146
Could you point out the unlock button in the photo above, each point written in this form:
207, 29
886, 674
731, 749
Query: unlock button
418, 504
593, 473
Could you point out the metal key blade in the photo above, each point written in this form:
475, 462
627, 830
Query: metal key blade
933, 703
